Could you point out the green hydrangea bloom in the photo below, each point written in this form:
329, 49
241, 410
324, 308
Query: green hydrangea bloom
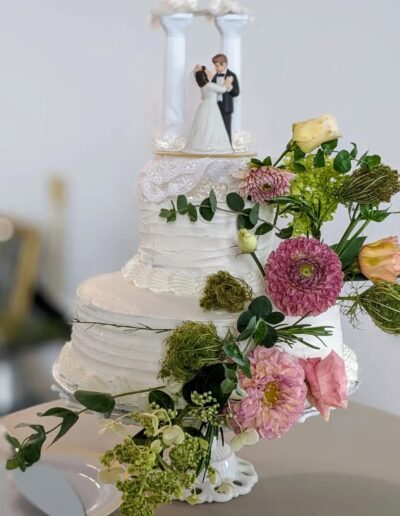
314, 185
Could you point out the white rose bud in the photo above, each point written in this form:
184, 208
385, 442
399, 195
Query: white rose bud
309, 134
247, 241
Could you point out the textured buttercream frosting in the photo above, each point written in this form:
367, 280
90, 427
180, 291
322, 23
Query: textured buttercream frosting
103, 356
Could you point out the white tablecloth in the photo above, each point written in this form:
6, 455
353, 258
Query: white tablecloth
347, 467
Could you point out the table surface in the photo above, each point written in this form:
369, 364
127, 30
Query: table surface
347, 467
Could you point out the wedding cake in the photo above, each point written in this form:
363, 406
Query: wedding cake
123, 318
159, 287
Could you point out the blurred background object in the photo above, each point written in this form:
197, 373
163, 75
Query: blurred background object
32, 325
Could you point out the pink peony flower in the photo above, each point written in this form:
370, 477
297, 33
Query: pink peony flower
303, 276
275, 393
327, 383
264, 183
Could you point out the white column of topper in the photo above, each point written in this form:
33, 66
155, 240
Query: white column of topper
175, 26
230, 27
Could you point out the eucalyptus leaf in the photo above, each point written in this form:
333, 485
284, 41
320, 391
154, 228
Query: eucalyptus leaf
96, 401
372, 161
192, 212
213, 201
261, 307
275, 318
205, 210
248, 224
234, 201
328, 147
264, 228
254, 213
182, 203
285, 233
249, 330
319, 159
162, 399
243, 320
241, 221
342, 162
354, 151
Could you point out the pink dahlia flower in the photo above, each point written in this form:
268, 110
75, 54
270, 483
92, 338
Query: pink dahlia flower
275, 393
303, 276
327, 383
264, 183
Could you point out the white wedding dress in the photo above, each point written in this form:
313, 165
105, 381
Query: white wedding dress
208, 133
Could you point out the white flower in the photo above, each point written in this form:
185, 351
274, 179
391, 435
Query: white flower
247, 241
111, 475
310, 134
111, 426
173, 435
156, 446
248, 437
6, 450
166, 7
225, 488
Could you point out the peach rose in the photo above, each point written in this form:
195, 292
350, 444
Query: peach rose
380, 261
327, 383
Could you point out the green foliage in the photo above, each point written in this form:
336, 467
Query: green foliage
161, 399
316, 187
235, 202
225, 292
382, 304
342, 162
351, 249
191, 346
96, 401
207, 379
369, 185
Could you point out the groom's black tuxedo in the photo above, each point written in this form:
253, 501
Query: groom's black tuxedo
226, 104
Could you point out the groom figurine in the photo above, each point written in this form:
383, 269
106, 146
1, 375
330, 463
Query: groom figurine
225, 100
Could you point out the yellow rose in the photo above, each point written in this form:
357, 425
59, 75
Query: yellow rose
380, 261
309, 134
247, 241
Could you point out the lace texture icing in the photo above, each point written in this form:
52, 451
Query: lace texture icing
167, 176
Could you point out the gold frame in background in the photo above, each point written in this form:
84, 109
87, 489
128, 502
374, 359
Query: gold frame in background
19, 300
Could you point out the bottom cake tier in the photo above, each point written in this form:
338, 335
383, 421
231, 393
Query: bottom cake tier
118, 338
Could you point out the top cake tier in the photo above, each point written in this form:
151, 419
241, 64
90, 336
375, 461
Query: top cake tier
178, 256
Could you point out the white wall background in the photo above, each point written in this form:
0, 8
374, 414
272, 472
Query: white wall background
80, 96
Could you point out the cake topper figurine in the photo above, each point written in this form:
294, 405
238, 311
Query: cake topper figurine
225, 100
209, 133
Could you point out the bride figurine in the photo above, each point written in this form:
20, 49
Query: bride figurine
208, 133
